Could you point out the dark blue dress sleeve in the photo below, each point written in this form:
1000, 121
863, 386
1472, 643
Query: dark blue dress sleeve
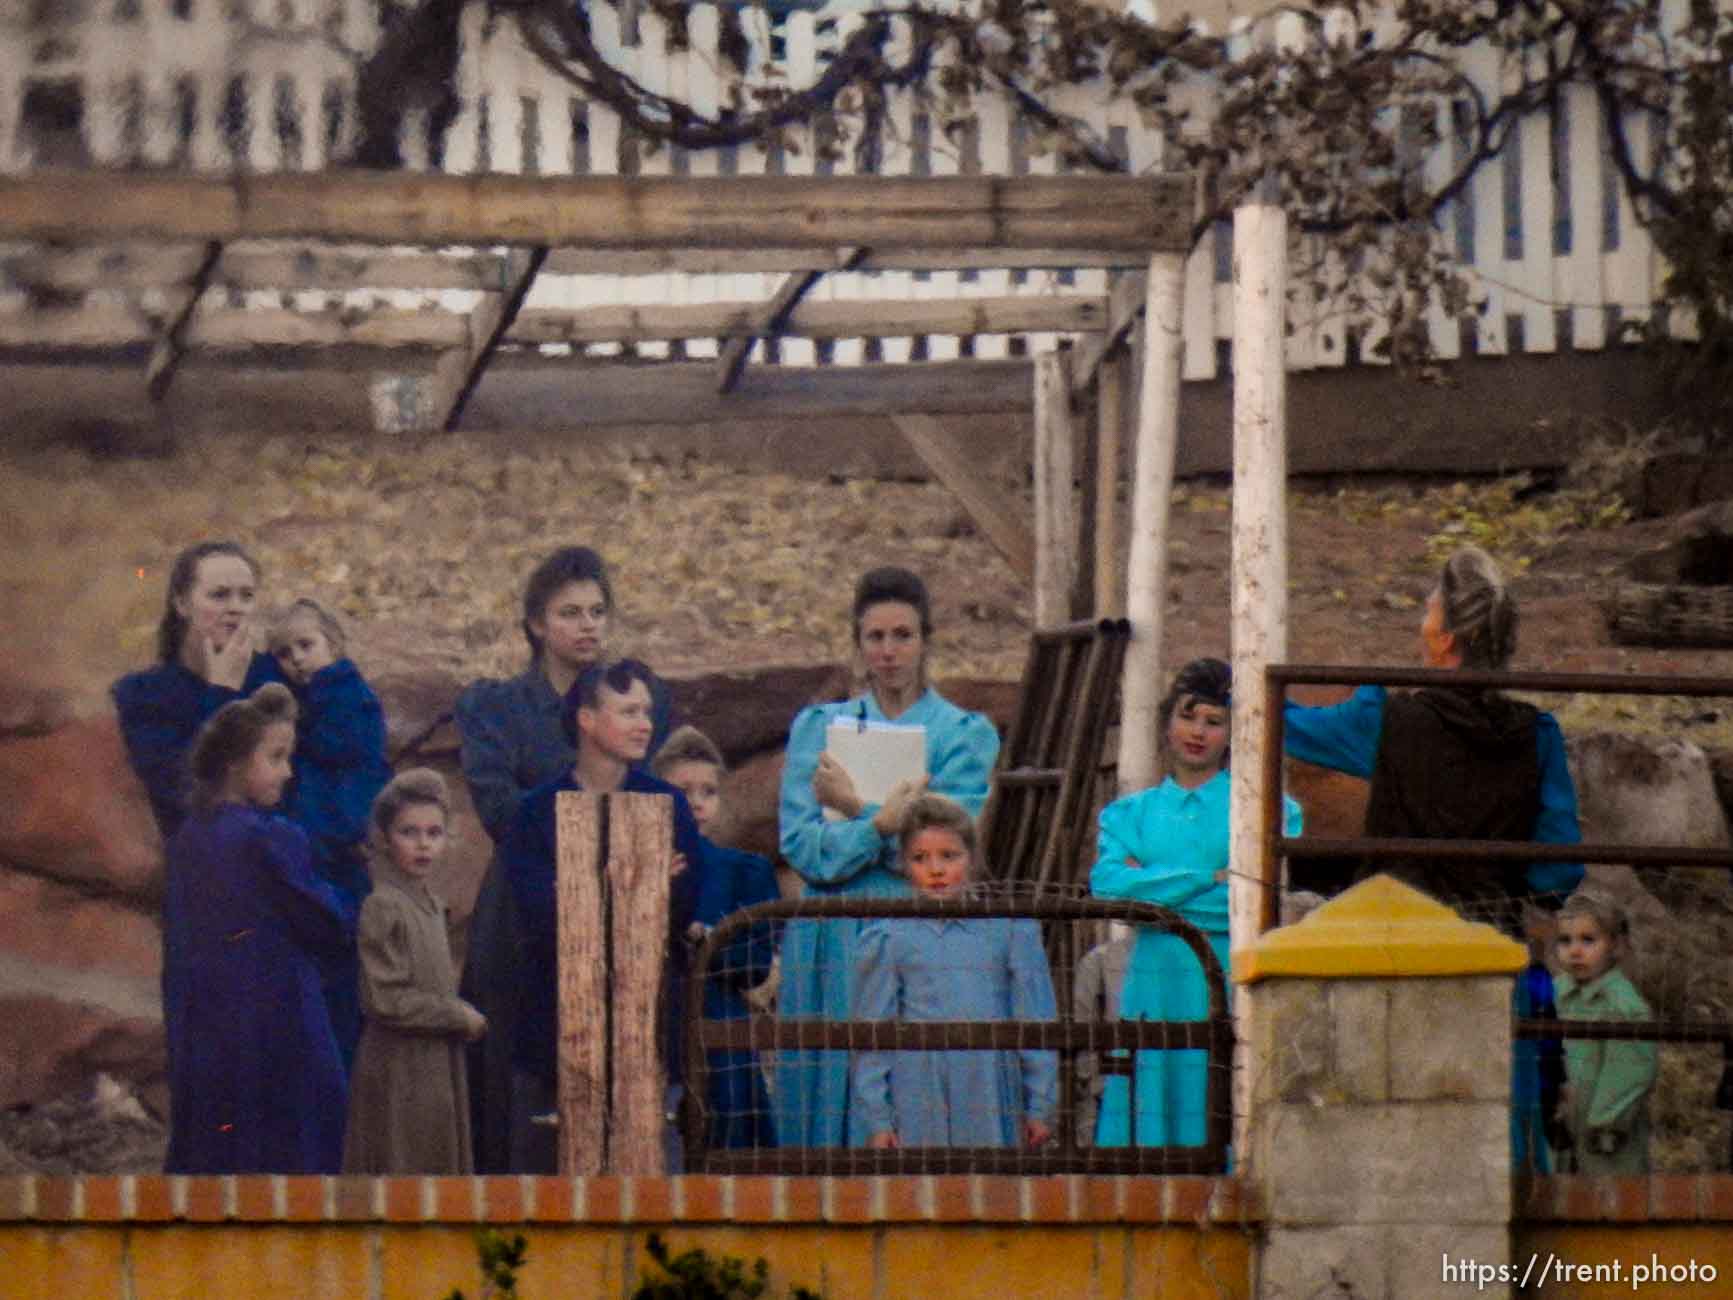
340, 764
317, 918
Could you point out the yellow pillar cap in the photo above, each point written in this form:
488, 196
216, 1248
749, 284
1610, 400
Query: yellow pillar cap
1379, 929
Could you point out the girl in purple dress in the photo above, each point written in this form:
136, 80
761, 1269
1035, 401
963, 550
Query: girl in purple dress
255, 1081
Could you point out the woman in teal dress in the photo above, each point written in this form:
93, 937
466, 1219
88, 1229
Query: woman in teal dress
1169, 845
856, 854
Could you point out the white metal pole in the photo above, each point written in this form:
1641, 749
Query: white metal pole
1151, 504
1259, 566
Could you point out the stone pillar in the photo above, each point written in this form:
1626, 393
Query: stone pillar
1378, 1136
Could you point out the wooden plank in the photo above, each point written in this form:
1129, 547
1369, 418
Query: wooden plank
584, 1001
862, 317
935, 213
255, 266
1109, 439
460, 370
111, 325
165, 358
1055, 512
108, 325
773, 322
999, 516
640, 861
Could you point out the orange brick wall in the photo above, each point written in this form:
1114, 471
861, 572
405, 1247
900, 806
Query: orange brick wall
145, 1238
1615, 1226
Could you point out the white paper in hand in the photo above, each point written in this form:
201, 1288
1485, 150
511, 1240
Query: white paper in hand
876, 755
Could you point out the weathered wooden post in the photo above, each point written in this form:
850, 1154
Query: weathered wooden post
1151, 504
1055, 509
1259, 563
1109, 438
613, 939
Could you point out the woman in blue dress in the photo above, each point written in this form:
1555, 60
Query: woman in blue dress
1169, 845
209, 653
855, 854
514, 740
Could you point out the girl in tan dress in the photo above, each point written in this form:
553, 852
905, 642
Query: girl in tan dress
408, 1096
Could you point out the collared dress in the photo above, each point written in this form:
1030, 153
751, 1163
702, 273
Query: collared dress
953, 968
408, 1095
255, 1082
850, 859
513, 741
1179, 839
161, 710
1610, 1079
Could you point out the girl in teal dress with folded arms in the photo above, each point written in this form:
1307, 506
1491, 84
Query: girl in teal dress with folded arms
1169, 845
857, 855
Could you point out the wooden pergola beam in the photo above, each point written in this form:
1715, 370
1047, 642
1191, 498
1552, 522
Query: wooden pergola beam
1124, 305
458, 372
275, 265
933, 213
109, 325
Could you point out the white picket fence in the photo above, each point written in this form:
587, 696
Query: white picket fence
268, 84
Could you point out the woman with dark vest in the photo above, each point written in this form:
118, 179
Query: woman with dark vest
1471, 764
1454, 762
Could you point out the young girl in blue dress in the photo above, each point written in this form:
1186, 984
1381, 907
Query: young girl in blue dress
951, 968
340, 767
255, 1081
855, 854
1169, 845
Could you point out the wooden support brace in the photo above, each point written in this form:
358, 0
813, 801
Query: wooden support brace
457, 373
996, 513
1124, 305
776, 313
171, 346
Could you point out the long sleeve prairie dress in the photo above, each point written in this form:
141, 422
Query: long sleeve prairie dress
255, 1082
1178, 839
408, 1096
844, 859
942, 968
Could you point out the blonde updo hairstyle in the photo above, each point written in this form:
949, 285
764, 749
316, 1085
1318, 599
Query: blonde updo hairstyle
1479, 610
418, 785
935, 812
230, 736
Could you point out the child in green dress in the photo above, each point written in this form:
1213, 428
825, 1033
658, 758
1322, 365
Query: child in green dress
1605, 1106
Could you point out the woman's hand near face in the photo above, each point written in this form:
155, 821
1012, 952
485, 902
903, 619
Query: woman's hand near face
228, 665
834, 788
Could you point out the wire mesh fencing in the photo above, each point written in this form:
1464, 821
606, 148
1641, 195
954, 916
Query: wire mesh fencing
1659, 1028
1004, 1029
